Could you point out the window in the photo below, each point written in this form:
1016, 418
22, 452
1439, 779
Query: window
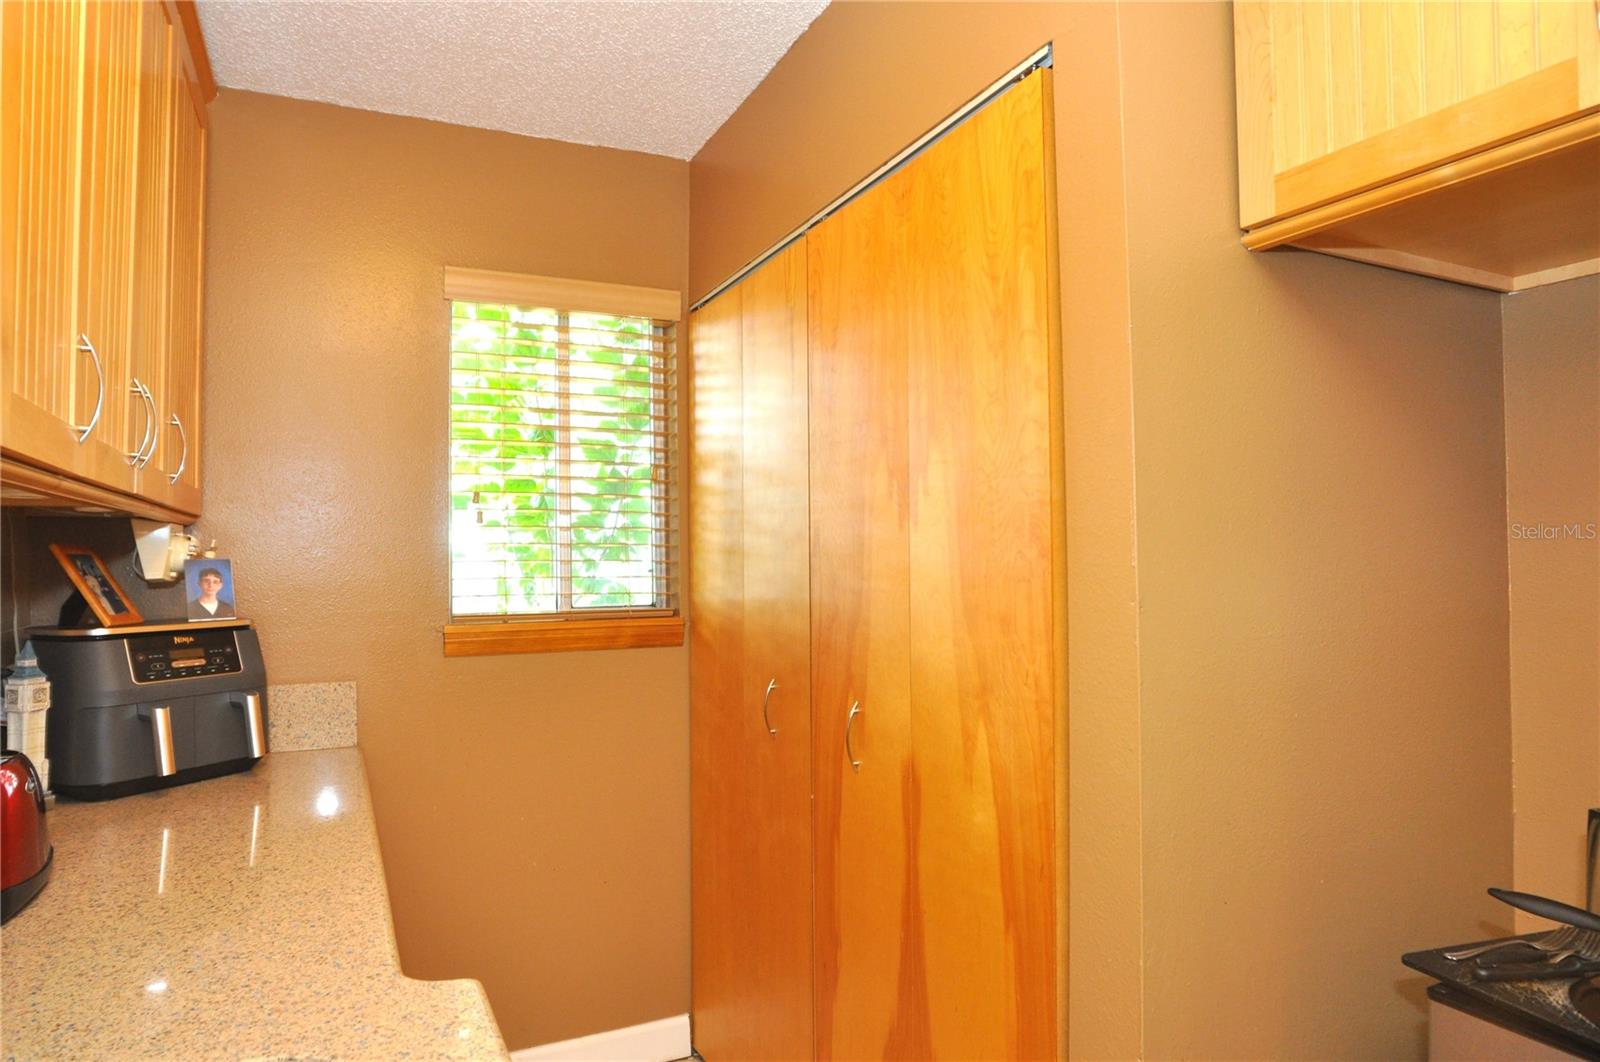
563, 416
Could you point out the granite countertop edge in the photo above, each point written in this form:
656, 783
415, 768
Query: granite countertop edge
239, 917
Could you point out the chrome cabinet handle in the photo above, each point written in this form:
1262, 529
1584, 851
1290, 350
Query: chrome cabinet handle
765, 718
183, 459
849, 725
155, 425
138, 390
252, 720
86, 347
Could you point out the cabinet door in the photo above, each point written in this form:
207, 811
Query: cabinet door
721, 726
107, 146
40, 83
936, 586
152, 236
1337, 98
71, 129
777, 657
51, 388
172, 476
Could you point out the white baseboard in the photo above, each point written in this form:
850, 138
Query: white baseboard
662, 1040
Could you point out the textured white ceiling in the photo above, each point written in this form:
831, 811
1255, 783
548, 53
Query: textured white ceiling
657, 76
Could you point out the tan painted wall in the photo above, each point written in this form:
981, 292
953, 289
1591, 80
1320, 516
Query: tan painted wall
1552, 388
1289, 733
1322, 634
533, 810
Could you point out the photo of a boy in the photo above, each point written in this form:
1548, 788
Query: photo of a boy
210, 589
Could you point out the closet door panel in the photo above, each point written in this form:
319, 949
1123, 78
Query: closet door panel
869, 998
982, 377
722, 840
777, 652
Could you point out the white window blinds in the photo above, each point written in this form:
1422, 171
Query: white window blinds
562, 451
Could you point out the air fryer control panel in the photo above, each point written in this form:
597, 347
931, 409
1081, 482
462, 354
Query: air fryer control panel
177, 655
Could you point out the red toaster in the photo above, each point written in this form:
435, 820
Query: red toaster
25, 851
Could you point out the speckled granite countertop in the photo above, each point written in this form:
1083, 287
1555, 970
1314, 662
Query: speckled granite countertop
244, 917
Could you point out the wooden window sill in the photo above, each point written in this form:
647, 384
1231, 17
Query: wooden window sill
561, 636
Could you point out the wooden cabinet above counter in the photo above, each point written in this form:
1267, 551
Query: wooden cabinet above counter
1454, 138
102, 170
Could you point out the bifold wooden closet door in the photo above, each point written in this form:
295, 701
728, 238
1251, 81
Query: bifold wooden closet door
936, 552
750, 671
720, 864
876, 500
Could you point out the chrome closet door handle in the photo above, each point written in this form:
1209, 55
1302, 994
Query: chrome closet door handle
137, 389
849, 725
183, 459
765, 718
86, 347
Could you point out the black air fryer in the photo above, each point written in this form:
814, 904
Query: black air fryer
151, 706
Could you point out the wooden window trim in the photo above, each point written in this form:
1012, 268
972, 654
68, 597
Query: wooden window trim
587, 296
577, 629
562, 635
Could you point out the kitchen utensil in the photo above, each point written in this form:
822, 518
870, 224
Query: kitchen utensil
25, 851
1591, 887
1523, 952
1532, 957
1585, 996
1586, 943
1555, 940
1583, 943
1571, 966
1545, 907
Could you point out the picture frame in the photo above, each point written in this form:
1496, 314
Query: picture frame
208, 589
90, 576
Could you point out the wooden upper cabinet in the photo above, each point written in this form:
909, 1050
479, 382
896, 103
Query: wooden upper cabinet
101, 176
1455, 138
